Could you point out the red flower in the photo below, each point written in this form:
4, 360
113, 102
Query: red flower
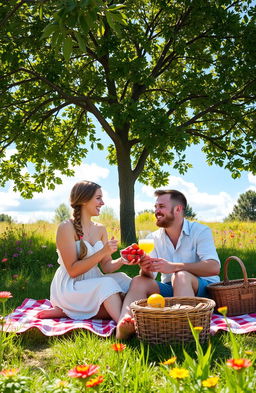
238, 364
5, 295
83, 371
10, 372
118, 347
94, 381
4, 259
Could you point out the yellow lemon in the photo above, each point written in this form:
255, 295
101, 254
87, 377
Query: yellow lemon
156, 300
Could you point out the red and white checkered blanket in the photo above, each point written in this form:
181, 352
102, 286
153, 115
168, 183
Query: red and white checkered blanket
24, 318
239, 324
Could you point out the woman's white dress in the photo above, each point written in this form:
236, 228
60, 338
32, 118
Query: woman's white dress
81, 297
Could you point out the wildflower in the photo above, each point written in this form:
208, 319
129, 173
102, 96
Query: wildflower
238, 364
210, 382
50, 265
10, 372
179, 373
232, 235
4, 295
43, 246
118, 347
223, 310
198, 329
170, 361
4, 259
30, 252
15, 255
94, 381
83, 371
61, 384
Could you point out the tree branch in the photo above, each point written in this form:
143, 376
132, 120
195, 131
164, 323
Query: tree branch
141, 163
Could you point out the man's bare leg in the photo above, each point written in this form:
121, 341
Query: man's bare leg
184, 284
141, 287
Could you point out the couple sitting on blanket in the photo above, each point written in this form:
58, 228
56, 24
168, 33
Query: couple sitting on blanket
184, 253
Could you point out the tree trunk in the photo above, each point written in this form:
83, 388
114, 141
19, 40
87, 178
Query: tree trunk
126, 193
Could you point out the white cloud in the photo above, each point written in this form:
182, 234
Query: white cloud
9, 198
43, 205
208, 207
252, 178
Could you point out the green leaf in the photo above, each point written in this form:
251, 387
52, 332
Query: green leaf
48, 30
81, 41
67, 48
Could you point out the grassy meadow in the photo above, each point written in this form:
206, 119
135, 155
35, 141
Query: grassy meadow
35, 363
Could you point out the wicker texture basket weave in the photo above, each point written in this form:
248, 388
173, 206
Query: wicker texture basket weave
238, 295
156, 325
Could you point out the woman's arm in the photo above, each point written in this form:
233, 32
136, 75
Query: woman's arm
108, 265
66, 245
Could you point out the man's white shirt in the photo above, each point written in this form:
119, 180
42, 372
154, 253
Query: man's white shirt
195, 244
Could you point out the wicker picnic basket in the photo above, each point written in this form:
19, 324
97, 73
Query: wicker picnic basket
238, 295
160, 325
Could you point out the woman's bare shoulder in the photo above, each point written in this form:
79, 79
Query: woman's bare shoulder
66, 226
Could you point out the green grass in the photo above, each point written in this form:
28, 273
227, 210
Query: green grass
31, 262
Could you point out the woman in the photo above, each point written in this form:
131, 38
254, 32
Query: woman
79, 289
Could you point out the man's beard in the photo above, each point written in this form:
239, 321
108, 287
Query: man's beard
167, 221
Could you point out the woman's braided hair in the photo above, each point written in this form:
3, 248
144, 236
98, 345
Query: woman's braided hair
81, 192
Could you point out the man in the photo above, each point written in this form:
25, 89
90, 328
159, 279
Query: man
184, 254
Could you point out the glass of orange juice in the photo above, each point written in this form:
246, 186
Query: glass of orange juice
144, 243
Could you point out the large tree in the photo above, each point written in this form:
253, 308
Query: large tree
157, 75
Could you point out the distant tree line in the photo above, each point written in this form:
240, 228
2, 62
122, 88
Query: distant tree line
5, 217
243, 210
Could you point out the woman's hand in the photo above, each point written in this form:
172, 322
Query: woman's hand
110, 246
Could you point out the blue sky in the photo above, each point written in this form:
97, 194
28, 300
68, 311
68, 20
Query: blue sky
210, 190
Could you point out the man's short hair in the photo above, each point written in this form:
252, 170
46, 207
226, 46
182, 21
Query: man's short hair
175, 196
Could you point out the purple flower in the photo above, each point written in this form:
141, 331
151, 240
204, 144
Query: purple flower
50, 265
15, 255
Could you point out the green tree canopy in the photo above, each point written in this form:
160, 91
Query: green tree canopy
62, 213
245, 209
157, 76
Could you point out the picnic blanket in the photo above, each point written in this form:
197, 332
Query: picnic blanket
239, 324
24, 318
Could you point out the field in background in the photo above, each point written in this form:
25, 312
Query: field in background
28, 261
28, 250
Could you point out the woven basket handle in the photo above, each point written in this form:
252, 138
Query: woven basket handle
226, 280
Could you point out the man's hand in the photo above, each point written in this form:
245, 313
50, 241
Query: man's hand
162, 266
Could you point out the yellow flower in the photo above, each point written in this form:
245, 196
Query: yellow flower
248, 352
210, 382
223, 310
179, 373
170, 361
198, 328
